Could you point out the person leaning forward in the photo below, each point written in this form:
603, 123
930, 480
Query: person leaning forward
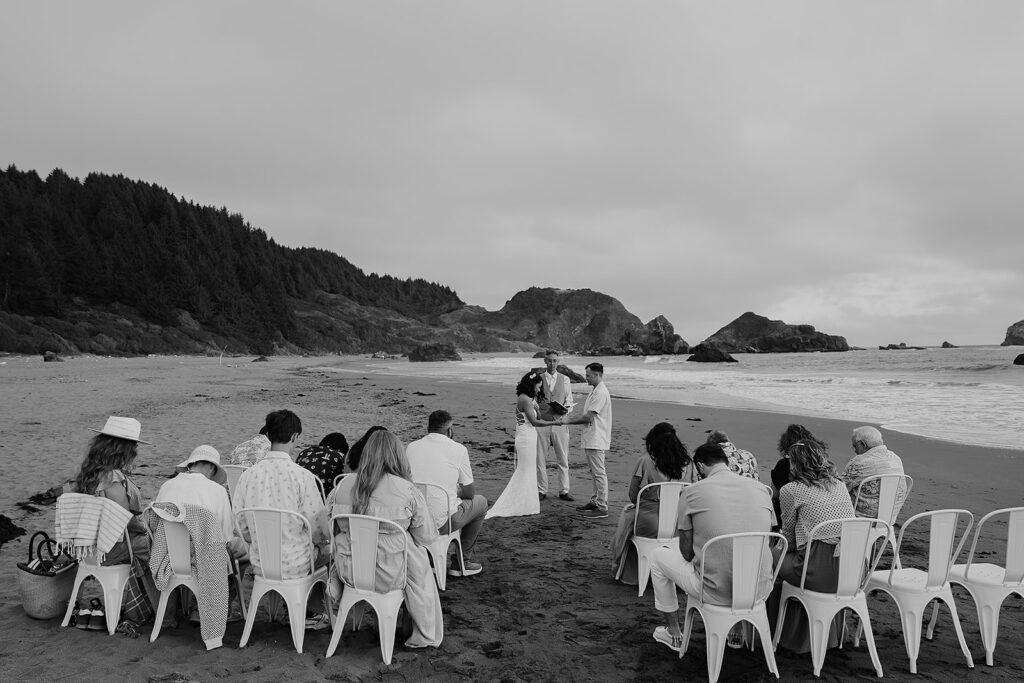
438, 459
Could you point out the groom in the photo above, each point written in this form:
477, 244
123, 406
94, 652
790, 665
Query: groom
558, 390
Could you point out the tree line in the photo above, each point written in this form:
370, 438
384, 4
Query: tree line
111, 240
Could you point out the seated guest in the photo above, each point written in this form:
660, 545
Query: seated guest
740, 461
871, 457
383, 488
780, 473
277, 482
327, 460
722, 502
105, 473
250, 452
815, 494
356, 452
202, 484
666, 460
438, 459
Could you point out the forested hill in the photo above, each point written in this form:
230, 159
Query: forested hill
113, 265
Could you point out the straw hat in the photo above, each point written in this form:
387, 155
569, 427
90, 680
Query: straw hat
208, 454
123, 428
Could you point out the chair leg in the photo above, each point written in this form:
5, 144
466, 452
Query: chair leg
387, 621
687, 628
779, 620
930, 633
113, 598
160, 609
339, 626
959, 631
254, 602
911, 634
297, 623
760, 624
643, 572
819, 630
80, 576
869, 636
714, 642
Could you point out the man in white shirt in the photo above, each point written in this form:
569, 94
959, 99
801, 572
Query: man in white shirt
557, 389
597, 438
277, 482
438, 459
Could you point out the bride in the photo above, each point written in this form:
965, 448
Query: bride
520, 494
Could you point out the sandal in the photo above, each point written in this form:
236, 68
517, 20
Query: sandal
662, 635
97, 619
82, 617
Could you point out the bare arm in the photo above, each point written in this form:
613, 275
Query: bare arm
584, 419
686, 544
527, 408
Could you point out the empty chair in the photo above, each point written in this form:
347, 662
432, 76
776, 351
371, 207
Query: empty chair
856, 537
912, 589
364, 533
438, 550
265, 525
89, 526
989, 584
893, 490
668, 533
233, 472
749, 552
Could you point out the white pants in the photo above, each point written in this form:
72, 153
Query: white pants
558, 437
668, 570
595, 459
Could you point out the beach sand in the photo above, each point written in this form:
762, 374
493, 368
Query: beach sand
545, 607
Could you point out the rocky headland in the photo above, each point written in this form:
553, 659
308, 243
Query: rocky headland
752, 333
1014, 334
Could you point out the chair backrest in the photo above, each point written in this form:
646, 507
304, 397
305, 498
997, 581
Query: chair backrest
943, 547
364, 532
1014, 575
856, 539
341, 477
436, 491
320, 487
750, 551
266, 527
233, 472
668, 507
893, 491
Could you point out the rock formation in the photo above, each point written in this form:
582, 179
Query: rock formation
434, 352
1019, 360
710, 353
947, 345
752, 333
902, 346
1014, 335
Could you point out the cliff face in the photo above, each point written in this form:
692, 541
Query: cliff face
577, 320
752, 333
1014, 335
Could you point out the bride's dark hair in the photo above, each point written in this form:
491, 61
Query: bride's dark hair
667, 451
528, 385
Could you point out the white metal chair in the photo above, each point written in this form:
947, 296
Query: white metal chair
266, 529
233, 472
179, 553
438, 550
856, 538
893, 491
364, 533
749, 553
668, 533
912, 589
341, 477
989, 584
320, 488
112, 578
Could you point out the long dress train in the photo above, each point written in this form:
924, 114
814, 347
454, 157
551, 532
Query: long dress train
520, 494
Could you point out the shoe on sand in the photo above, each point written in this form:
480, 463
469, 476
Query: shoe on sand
82, 617
588, 507
596, 513
662, 635
543, 496
565, 496
472, 568
318, 622
98, 619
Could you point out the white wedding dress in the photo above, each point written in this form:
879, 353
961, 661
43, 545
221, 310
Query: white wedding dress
520, 495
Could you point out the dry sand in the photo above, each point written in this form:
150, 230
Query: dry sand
545, 607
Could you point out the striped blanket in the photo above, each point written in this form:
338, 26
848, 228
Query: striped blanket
89, 525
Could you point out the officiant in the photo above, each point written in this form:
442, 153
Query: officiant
557, 402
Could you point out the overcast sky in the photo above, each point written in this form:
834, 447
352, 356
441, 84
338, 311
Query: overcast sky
858, 166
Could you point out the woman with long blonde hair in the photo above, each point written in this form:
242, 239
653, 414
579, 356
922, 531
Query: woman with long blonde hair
382, 487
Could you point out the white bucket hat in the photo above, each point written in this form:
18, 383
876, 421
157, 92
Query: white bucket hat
208, 454
123, 428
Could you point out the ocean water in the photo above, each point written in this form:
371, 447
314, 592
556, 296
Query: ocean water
971, 395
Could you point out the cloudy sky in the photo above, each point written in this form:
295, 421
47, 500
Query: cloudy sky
853, 165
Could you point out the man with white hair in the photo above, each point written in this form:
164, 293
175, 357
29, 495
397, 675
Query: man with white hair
871, 458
